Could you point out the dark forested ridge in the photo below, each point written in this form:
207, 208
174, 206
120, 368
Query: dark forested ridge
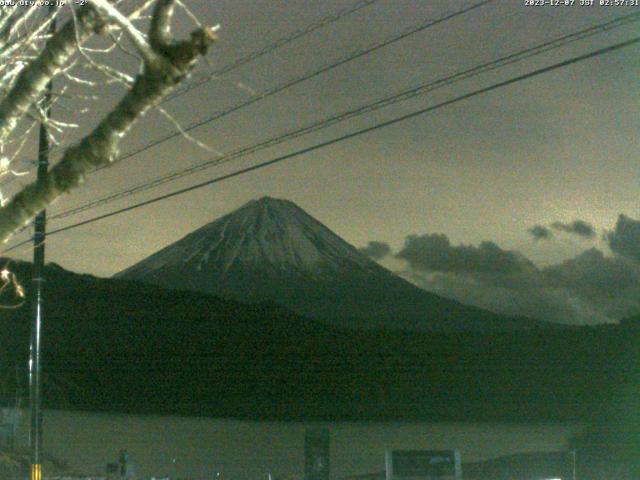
112, 345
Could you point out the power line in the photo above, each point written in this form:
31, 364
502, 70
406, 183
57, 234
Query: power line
274, 46
354, 55
288, 84
307, 76
348, 136
279, 43
367, 108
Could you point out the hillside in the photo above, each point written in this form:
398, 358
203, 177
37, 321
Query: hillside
114, 345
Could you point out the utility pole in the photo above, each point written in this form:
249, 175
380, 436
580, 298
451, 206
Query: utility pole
35, 380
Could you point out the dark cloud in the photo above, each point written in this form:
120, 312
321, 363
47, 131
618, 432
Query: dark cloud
376, 250
539, 232
589, 288
624, 240
577, 227
592, 273
608, 284
435, 253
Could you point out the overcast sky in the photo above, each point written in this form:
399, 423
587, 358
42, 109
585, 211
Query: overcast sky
540, 171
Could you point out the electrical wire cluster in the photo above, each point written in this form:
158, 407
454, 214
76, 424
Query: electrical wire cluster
367, 108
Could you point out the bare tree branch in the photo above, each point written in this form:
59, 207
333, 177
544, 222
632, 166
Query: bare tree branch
113, 15
160, 29
171, 62
140, 11
33, 79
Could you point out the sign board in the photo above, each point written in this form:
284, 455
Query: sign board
423, 465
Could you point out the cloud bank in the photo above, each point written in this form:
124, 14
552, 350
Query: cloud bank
624, 240
540, 232
592, 287
376, 250
577, 227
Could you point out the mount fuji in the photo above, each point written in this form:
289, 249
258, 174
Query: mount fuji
270, 250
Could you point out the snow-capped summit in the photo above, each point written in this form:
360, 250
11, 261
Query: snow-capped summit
278, 233
272, 250
268, 233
